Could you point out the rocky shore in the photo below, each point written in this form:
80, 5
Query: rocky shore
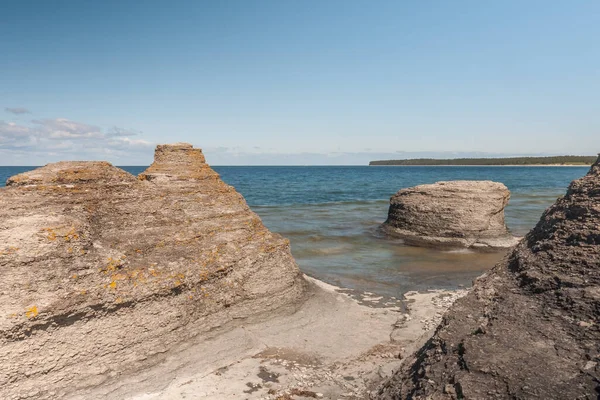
529, 328
167, 286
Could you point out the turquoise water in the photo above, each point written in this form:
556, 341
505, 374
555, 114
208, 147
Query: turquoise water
331, 215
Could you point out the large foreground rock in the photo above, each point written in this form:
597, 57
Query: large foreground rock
530, 328
454, 214
102, 273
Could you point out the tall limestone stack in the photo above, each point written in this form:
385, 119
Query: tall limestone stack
453, 214
102, 273
530, 328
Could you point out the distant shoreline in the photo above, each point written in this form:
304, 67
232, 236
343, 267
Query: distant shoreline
548, 161
482, 165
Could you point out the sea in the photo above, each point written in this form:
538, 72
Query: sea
332, 214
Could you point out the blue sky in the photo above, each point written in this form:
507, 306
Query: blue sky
297, 82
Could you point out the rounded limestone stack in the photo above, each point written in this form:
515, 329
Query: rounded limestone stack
453, 214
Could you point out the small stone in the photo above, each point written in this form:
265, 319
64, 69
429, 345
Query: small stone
589, 365
449, 389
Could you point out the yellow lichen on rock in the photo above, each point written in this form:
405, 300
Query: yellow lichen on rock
32, 312
51, 235
9, 251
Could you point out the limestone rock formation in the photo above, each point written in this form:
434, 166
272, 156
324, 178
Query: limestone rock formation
530, 328
101, 273
454, 214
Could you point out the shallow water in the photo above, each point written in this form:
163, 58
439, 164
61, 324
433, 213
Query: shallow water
331, 216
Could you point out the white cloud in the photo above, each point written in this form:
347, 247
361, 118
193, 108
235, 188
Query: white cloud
120, 132
10, 129
131, 142
17, 110
49, 140
62, 128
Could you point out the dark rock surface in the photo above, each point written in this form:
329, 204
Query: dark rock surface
102, 273
454, 214
529, 329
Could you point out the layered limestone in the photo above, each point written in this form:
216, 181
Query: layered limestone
530, 328
102, 273
454, 214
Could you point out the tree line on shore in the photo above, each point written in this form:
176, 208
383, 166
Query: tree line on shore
553, 160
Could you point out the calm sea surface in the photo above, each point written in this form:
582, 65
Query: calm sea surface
331, 215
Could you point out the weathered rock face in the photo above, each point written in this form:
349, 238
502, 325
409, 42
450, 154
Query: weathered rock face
530, 327
463, 214
102, 273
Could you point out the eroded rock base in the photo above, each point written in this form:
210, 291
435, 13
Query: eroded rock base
331, 348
